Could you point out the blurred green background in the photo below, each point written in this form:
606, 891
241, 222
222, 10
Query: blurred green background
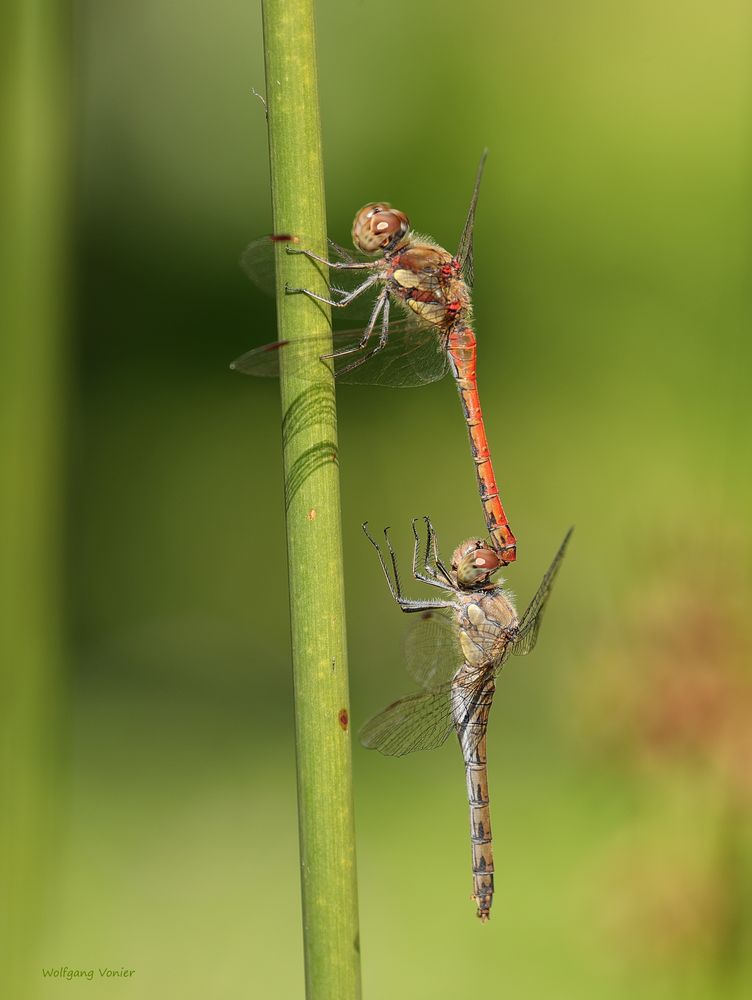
612, 249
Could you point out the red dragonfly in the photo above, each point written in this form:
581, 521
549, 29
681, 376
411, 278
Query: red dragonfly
435, 334
455, 652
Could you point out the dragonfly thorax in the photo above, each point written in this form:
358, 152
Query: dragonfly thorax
473, 564
486, 619
378, 226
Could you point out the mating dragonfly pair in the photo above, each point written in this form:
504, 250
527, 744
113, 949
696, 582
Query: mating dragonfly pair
460, 642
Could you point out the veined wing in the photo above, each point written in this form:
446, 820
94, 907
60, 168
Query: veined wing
419, 722
423, 721
527, 630
465, 249
432, 648
413, 355
259, 263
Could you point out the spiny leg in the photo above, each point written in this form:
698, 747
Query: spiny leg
432, 541
382, 302
345, 265
427, 575
344, 255
336, 303
416, 554
393, 558
395, 590
394, 587
383, 337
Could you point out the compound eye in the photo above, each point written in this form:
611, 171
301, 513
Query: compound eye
378, 226
486, 560
477, 565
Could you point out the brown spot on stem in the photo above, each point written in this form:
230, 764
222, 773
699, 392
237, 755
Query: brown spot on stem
344, 718
311, 515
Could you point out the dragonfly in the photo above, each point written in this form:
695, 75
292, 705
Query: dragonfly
455, 651
434, 334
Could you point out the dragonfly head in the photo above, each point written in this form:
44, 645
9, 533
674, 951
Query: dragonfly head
473, 563
379, 227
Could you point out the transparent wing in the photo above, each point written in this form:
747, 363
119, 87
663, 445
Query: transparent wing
432, 649
414, 355
259, 262
423, 721
465, 249
527, 630
419, 722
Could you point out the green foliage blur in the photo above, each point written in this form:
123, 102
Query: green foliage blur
612, 306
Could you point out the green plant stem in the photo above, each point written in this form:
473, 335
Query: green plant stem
314, 543
34, 180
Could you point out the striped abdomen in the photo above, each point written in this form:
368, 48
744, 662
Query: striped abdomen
470, 708
461, 348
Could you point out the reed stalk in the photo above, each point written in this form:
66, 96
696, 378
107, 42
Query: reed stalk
34, 182
314, 542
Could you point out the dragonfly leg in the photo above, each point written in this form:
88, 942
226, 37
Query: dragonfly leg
432, 542
427, 575
416, 553
338, 303
343, 254
381, 303
395, 589
344, 265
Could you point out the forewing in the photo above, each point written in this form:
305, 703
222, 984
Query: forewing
419, 722
465, 248
432, 649
413, 356
259, 262
527, 630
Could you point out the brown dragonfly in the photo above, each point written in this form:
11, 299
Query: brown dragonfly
455, 652
434, 335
